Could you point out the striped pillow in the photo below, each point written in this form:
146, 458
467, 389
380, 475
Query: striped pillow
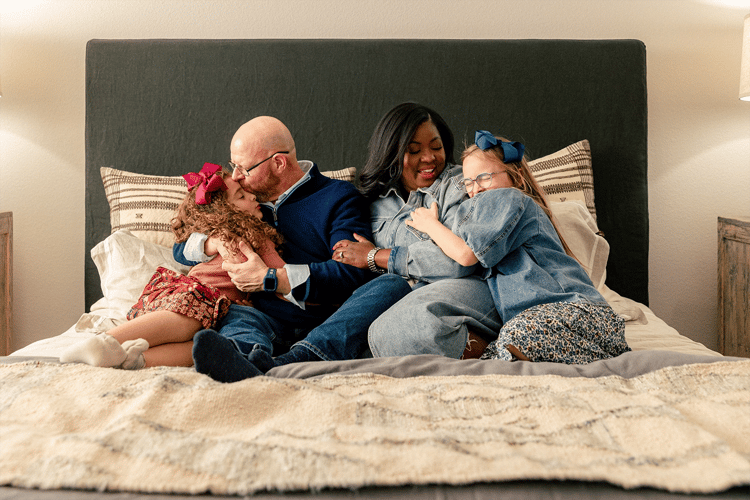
345, 174
143, 204
567, 175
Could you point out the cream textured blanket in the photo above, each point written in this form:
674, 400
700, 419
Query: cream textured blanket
683, 429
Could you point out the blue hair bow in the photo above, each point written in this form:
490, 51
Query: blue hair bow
512, 151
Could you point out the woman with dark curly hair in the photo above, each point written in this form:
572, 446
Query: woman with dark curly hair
174, 307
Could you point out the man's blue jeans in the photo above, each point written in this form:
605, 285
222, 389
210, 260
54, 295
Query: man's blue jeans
343, 335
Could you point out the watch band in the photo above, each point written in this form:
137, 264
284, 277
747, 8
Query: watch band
371, 261
270, 282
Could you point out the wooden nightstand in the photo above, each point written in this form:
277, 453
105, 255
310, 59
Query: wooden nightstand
734, 286
6, 281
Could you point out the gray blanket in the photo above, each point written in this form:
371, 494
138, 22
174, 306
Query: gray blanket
628, 365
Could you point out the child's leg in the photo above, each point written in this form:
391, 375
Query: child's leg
169, 335
157, 327
540, 333
173, 354
573, 333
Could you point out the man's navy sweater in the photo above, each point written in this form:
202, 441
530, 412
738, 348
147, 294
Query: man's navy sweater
314, 217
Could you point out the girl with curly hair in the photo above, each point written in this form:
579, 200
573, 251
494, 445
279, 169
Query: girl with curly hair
173, 307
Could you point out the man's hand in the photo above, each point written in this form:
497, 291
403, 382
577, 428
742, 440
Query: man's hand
247, 276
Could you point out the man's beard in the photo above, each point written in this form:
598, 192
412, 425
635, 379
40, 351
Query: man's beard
264, 191
262, 196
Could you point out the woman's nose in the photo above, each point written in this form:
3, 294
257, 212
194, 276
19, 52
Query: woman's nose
428, 156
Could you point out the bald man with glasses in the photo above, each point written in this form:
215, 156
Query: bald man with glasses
313, 308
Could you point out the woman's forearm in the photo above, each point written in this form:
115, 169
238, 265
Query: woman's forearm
381, 258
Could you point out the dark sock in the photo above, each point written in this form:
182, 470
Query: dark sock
261, 359
296, 355
216, 356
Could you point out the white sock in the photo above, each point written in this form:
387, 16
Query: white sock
101, 350
134, 351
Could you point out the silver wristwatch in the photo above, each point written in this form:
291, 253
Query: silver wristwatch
371, 261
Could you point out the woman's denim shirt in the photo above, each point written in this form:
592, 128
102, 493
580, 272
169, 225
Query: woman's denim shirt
413, 253
523, 259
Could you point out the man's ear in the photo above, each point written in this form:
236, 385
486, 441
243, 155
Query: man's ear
280, 163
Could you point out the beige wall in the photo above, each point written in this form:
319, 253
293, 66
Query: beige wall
699, 132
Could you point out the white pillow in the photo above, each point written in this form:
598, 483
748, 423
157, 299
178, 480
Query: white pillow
582, 235
126, 264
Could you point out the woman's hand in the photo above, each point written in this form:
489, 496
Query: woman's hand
353, 253
424, 219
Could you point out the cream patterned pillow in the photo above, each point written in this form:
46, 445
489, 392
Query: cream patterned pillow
345, 174
143, 204
567, 175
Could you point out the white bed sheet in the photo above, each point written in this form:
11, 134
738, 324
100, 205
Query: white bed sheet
643, 330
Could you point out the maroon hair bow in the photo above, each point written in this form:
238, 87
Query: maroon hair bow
207, 181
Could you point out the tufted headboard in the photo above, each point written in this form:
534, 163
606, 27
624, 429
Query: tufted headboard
166, 106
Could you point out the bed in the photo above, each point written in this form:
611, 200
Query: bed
669, 419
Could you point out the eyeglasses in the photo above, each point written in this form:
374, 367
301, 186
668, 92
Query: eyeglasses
484, 180
246, 171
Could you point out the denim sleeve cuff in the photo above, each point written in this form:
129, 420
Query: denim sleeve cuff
398, 262
298, 274
194, 248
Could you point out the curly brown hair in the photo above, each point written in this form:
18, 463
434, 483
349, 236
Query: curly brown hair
221, 219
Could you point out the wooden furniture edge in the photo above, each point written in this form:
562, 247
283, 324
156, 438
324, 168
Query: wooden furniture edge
734, 229
6, 282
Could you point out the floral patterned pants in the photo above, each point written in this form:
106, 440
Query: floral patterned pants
563, 332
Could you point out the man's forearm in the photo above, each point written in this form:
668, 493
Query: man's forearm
283, 287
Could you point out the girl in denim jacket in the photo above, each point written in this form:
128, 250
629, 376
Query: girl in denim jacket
550, 309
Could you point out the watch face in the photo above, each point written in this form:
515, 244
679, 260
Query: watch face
270, 282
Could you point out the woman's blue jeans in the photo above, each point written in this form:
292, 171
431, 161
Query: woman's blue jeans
343, 335
435, 319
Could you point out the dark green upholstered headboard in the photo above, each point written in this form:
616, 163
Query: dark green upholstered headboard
165, 106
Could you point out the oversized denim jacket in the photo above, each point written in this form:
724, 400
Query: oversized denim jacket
523, 259
413, 253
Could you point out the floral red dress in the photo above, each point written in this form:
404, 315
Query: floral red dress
204, 294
